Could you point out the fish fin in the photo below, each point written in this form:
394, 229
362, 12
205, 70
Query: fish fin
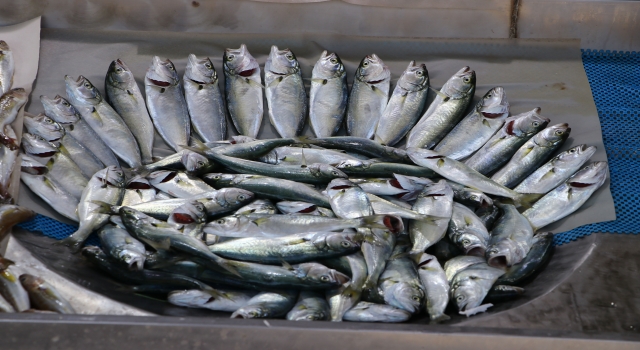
485, 123
440, 163
439, 319
275, 82
319, 81
379, 92
164, 244
304, 159
548, 174
254, 83
527, 151
104, 207
526, 200
96, 116
286, 265
4, 262
163, 224
259, 221
468, 221
444, 96
195, 143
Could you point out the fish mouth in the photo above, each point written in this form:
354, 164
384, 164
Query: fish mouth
34, 170
183, 218
159, 82
492, 115
394, 224
44, 154
476, 250
498, 261
248, 72
580, 184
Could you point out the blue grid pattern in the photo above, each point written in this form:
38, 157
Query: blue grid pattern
615, 84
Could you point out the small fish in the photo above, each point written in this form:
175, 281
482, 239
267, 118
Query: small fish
362, 146
467, 231
221, 300
10, 287
121, 246
304, 208
436, 287
368, 97
311, 306
7, 67
8, 157
44, 296
268, 305
10, 103
243, 90
43, 126
381, 169
346, 296
178, 184
371, 312
328, 95
511, 238
189, 218
400, 284
437, 201
304, 156
471, 285
535, 261
380, 186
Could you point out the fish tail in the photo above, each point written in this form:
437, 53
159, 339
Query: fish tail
525, 201
105, 208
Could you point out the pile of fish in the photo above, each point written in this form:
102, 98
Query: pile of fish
326, 228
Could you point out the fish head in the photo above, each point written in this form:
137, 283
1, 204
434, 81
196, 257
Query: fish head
194, 162
258, 206
229, 223
190, 298
14, 98
296, 207
240, 62
161, 74
200, 70
427, 262
349, 164
427, 158
437, 190
189, 213
302, 313
31, 166
477, 198
460, 83
31, 282
328, 66
322, 275
593, 175
494, 104
219, 179
404, 295
372, 70
326, 171
233, 197
43, 126
555, 134
575, 155
503, 254
468, 294
133, 259
282, 62
471, 244
415, 77
119, 75
526, 124
250, 311
59, 109
338, 241
37, 146
81, 92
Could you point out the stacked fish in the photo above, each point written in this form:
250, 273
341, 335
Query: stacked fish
333, 227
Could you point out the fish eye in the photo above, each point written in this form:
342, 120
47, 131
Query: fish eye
572, 150
474, 197
48, 120
489, 96
220, 221
208, 65
466, 241
254, 314
65, 103
325, 278
118, 70
170, 67
87, 85
230, 57
289, 57
334, 173
416, 298
460, 298
559, 132
365, 63
217, 177
334, 61
345, 244
200, 163
419, 73
241, 197
466, 79
535, 124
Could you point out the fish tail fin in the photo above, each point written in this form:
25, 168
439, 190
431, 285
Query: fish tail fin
525, 201
75, 241
384, 222
439, 319
195, 143
105, 208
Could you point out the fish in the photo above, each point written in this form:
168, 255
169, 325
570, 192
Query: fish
311, 306
445, 250
8, 157
445, 111
284, 90
166, 103
192, 162
124, 95
178, 184
515, 132
488, 215
556, 171
368, 97
370, 312
138, 190
459, 263
189, 218
43, 126
568, 197
204, 99
296, 248
399, 283
380, 186
121, 246
467, 231
501, 293
434, 281
304, 208
251, 150
258, 206
11, 215
44, 296
10, 104
470, 286
469, 197
243, 90
60, 110
103, 119
221, 300
361, 146
405, 105
532, 155
328, 95
535, 260
272, 304
382, 206
11, 289
107, 185
303, 156
474, 130
436, 201
7, 67
511, 238
382, 169
348, 295
34, 175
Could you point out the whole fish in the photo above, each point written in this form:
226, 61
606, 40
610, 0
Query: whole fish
467, 231
269, 186
10, 104
381, 169
204, 99
436, 286
251, 150
371, 312
268, 305
190, 161
292, 249
400, 284
10, 287
258, 206
346, 296
535, 261
138, 190
556, 171
499, 149
362, 146
477, 127
243, 90
11, 215
368, 97
60, 110
107, 185
121, 246
568, 197
470, 285
7, 67
297, 207
445, 111
58, 162
166, 103
34, 175
511, 238
311, 306
103, 119
436, 201
405, 105
44, 296
303, 156
178, 184
284, 90
124, 95
221, 300
532, 155
328, 95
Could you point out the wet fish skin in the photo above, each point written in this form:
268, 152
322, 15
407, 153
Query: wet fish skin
346, 296
121, 246
362, 146
371, 312
124, 95
405, 105
243, 90
7, 67
303, 156
328, 95
382, 169
435, 200
436, 287
221, 300
138, 190
204, 99
11, 288
10, 104
8, 159
511, 238
399, 283
368, 97
467, 231
538, 256
178, 184
311, 306
44, 296
382, 206
43, 126
470, 285
5, 306
258, 206
273, 304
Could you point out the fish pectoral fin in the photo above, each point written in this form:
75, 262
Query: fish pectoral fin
286, 265
468, 221
260, 221
548, 174
486, 123
164, 244
254, 83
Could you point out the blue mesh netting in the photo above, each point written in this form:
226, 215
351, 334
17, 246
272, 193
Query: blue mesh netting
615, 83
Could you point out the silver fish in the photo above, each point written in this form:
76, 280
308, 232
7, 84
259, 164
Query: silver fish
10, 287
434, 281
359, 145
370, 168
204, 99
119, 245
532, 155
303, 156
60, 110
445, 111
220, 300
8, 157
344, 298
268, 305
436, 201
405, 105
243, 90
511, 238
138, 190
477, 127
7, 67
284, 90
470, 285
258, 206
124, 95
382, 206
43, 126
467, 231
298, 207
5, 306
311, 306
459, 263
368, 97
328, 95
178, 184
166, 103
371, 312
10, 104
469, 197
380, 186
189, 218
44, 296
103, 119
568, 197
400, 284
499, 149
556, 171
